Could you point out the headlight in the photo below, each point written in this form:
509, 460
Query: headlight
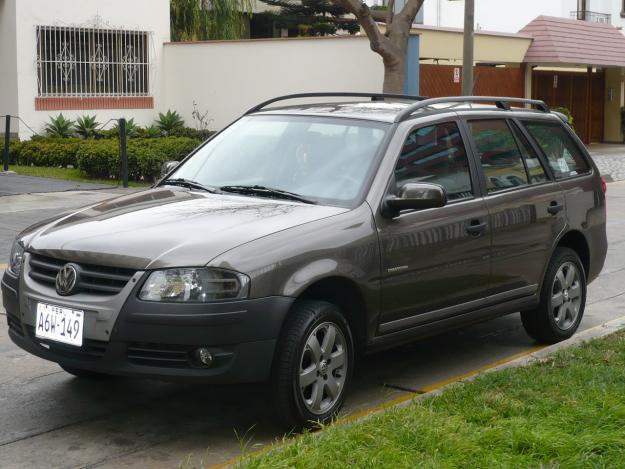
16, 259
199, 285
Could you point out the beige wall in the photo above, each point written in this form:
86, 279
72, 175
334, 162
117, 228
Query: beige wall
446, 44
228, 77
612, 128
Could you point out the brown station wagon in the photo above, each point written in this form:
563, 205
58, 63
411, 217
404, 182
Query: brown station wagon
302, 238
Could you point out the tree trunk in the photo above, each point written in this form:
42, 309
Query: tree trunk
394, 75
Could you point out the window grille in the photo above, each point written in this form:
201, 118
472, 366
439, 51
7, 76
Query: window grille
84, 62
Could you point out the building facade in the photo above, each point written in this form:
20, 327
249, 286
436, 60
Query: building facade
81, 57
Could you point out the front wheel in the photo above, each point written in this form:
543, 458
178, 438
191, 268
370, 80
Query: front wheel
562, 300
313, 365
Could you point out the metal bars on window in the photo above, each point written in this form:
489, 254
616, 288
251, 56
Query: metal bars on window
88, 62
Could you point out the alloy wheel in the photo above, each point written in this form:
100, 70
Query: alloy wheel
323, 368
566, 296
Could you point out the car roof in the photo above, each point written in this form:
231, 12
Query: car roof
388, 111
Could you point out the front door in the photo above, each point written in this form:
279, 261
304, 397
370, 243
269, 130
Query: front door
526, 206
434, 261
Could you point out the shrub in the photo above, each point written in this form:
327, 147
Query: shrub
59, 126
169, 121
192, 133
567, 113
49, 152
14, 151
152, 132
87, 126
100, 158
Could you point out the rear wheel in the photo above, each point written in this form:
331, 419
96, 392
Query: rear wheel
313, 365
562, 299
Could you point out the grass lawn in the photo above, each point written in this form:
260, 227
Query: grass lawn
565, 412
67, 174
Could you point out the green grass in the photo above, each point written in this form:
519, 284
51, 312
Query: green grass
565, 412
67, 174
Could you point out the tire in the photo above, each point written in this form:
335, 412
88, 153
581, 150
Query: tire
562, 300
84, 374
302, 368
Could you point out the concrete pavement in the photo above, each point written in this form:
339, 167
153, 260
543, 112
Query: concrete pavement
52, 419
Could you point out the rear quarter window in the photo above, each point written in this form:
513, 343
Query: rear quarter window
565, 158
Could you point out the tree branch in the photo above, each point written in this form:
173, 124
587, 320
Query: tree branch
409, 12
379, 42
389, 13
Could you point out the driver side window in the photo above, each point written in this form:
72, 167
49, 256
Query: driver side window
436, 154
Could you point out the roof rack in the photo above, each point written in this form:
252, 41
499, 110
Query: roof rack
373, 96
500, 102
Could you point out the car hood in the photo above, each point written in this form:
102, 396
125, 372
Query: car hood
166, 227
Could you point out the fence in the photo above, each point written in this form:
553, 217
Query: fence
123, 145
442, 80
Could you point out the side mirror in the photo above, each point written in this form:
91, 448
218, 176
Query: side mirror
167, 167
416, 196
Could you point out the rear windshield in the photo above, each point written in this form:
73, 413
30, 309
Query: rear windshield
565, 157
327, 160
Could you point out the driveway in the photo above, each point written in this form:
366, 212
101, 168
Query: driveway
52, 419
12, 184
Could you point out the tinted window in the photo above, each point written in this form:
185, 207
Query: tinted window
564, 156
499, 154
436, 154
535, 169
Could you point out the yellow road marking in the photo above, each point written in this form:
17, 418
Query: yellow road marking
393, 402
3, 266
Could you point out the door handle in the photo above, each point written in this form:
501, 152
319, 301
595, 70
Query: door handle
555, 207
476, 227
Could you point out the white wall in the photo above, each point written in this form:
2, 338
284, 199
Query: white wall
511, 15
228, 77
147, 15
8, 62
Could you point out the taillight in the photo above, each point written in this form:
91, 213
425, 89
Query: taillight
604, 186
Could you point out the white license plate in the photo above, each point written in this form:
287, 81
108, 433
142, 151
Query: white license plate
59, 324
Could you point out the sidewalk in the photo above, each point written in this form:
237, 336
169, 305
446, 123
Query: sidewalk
13, 184
610, 159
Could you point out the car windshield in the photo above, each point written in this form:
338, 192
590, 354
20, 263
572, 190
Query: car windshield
324, 160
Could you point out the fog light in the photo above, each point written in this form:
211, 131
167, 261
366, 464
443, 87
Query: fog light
203, 356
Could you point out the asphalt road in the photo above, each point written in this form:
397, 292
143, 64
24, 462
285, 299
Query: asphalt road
50, 419
13, 184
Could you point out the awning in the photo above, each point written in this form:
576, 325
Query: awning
574, 42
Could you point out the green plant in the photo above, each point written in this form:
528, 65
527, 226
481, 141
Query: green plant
151, 132
49, 152
132, 129
197, 20
190, 132
87, 126
59, 126
14, 151
566, 112
169, 121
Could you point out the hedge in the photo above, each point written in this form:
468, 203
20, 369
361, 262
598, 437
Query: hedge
100, 158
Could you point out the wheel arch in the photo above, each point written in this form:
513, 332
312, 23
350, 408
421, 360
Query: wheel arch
347, 295
576, 241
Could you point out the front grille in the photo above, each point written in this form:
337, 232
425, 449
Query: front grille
15, 324
165, 355
96, 279
90, 350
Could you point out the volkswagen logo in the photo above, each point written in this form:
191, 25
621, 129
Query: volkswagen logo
66, 279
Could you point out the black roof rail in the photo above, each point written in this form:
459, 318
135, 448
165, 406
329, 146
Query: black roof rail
501, 102
372, 96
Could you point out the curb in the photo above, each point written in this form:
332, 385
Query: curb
539, 353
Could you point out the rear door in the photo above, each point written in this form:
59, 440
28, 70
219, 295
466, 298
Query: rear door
525, 205
435, 262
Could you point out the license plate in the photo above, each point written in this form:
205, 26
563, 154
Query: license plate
59, 324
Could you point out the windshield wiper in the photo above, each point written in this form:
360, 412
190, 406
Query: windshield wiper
190, 184
267, 191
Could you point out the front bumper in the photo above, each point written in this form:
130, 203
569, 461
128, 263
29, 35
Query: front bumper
157, 340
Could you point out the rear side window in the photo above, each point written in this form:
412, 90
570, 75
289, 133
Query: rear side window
436, 154
535, 169
499, 154
565, 158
